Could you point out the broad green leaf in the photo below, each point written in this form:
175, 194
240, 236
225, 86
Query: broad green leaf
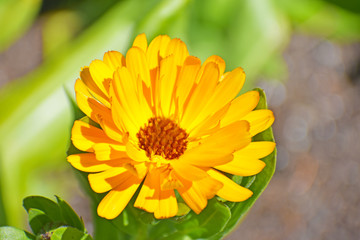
11, 233
106, 230
46, 215
69, 215
15, 17
209, 222
50, 208
129, 221
257, 183
69, 233
38, 221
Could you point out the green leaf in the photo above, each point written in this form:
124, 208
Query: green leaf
69, 233
106, 230
257, 183
69, 215
129, 220
11, 233
38, 221
45, 215
209, 222
50, 208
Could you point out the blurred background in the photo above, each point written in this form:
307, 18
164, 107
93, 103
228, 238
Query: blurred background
305, 54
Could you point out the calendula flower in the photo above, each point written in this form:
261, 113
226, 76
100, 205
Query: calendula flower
166, 123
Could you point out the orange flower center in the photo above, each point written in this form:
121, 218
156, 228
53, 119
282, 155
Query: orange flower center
161, 136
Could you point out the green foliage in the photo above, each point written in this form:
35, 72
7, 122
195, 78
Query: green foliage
48, 220
69, 233
47, 206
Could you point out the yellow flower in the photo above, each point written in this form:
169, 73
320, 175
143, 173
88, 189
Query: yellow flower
168, 123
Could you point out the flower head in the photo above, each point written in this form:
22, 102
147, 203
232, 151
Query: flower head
166, 123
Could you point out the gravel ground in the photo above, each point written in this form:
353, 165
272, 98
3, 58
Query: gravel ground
314, 192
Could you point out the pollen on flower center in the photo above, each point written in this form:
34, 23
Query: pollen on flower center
162, 136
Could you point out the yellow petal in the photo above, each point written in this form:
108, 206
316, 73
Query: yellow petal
107, 124
225, 92
256, 150
259, 120
114, 60
186, 80
109, 179
137, 64
101, 74
106, 151
138, 169
97, 112
217, 149
117, 199
202, 93
121, 118
242, 166
140, 42
148, 198
84, 136
209, 125
241, 106
87, 162
208, 186
219, 61
171, 182
135, 153
188, 171
178, 49
193, 197
83, 99
168, 74
157, 50
230, 191
167, 206
126, 91
93, 87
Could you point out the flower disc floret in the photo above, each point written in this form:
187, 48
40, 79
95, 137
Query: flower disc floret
162, 136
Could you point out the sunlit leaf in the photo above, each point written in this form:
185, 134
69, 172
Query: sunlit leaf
69, 233
48, 207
